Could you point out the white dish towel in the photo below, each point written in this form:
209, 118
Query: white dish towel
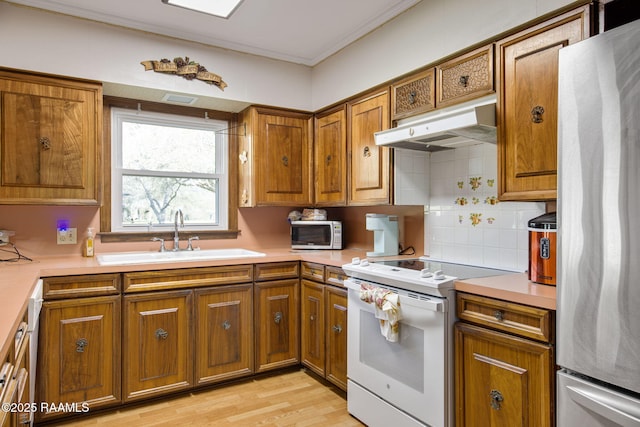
387, 305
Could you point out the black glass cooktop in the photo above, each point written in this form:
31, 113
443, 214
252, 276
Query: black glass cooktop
461, 271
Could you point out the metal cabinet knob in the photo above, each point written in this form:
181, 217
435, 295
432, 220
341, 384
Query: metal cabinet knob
536, 114
278, 317
337, 328
161, 334
496, 399
45, 143
81, 344
412, 97
499, 315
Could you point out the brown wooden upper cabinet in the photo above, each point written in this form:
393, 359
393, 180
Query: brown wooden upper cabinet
330, 157
275, 158
50, 139
465, 77
528, 105
413, 95
369, 164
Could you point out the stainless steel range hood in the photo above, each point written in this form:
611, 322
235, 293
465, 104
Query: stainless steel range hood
459, 126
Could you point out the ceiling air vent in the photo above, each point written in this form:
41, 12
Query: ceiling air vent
179, 99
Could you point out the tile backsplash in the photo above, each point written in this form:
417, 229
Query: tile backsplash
465, 222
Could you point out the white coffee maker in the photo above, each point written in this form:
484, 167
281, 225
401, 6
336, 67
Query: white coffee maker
385, 234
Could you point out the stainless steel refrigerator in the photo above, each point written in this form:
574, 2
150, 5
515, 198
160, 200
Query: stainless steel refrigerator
598, 314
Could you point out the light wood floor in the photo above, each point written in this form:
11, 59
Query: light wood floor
291, 398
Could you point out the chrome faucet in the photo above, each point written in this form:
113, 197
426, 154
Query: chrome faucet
176, 238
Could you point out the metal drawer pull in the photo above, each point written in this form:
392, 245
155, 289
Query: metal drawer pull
278, 317
337, 328
161, 334
81, 344
499, 315
226, 325
496, 399
464, 81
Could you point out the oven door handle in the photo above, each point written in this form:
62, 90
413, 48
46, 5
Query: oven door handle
424, 303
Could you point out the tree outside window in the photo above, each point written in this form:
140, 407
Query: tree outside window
162, 163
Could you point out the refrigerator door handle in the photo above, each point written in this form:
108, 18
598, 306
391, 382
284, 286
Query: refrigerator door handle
623, 413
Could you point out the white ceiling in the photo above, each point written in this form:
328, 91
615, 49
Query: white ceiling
299, 31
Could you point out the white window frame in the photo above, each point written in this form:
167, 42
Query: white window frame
118, 116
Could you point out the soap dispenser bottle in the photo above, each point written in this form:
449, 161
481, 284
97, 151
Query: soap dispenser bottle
88, 243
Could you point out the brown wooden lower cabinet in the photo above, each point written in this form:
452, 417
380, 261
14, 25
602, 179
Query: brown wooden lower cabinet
223, 332
79, 352
277, 324
157, 343
323, 334
107, 350
336, 336
502, 380
312, 336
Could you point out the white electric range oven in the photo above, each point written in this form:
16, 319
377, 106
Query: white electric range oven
408, 382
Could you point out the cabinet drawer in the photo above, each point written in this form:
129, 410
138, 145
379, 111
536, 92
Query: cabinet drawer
312, 270
81, 286
187, 278
413, 95
517, 319
465, 77
276, 270
335, 276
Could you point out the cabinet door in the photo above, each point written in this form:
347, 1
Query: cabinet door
413, 95
157, 343
330, 149
528, 106
369, 172
79, 352
312, 337
224, 333
336, 336
50, 137
283, 160
502, 380
277, 324
465, 77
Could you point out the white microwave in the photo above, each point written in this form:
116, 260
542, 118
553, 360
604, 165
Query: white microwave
316, 234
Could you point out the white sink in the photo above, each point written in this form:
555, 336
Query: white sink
123, 258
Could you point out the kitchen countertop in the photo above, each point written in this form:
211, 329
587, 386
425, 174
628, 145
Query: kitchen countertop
17, 280
511, 287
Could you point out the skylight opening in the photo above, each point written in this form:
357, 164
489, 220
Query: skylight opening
219, 8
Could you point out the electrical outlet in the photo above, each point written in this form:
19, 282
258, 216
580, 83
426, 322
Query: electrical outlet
67, 236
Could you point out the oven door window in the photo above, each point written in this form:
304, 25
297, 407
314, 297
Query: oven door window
404, 362
319, 235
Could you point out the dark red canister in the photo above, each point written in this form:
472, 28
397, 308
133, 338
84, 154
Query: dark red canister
542, 249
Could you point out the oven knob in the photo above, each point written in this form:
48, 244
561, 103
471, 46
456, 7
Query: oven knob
425, 273
355, 260
438, 275
364, 263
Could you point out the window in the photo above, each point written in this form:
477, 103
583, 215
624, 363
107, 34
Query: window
162, 163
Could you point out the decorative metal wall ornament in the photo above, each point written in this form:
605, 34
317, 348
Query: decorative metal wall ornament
185, 68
